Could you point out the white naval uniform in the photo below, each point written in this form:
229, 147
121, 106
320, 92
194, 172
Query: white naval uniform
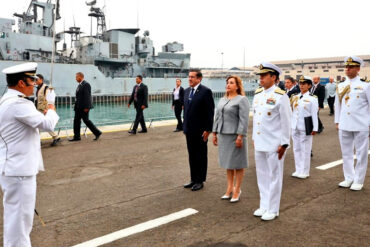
353, 116
20, 161
303, 106
271, 128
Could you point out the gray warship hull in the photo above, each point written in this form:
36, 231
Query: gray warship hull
65, 84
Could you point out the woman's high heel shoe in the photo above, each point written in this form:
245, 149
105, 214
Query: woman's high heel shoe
226, 197
236, 199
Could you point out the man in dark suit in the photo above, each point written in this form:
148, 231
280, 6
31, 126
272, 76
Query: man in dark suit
140, 98
178, 104
198, 121
318, 90
291, 86
82, 107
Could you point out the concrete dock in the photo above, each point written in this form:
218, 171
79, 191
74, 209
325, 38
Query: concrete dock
94, 188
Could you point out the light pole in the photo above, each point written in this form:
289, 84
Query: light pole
222, 60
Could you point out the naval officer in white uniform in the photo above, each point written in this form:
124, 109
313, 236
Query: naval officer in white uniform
304, 106
352, 119
271, 136
20, 152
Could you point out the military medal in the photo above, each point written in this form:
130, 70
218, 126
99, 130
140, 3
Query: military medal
270, 101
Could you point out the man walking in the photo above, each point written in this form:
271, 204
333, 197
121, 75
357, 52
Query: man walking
20, 151
331, 88
82, 107
140, 98
271, 137
352, 119
41, 103
318, 90
291, 87
198, 121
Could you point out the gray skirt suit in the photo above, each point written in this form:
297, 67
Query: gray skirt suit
231, 120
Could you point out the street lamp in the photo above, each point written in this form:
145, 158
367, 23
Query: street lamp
222, 60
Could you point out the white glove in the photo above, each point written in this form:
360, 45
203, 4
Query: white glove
50, 97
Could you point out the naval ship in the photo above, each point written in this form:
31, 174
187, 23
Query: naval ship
110, 60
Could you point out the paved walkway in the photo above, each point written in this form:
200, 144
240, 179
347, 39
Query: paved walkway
94, 188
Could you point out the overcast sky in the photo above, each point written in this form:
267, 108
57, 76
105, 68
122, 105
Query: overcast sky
268, 30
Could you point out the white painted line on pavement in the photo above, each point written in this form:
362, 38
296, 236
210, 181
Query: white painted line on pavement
333, 164
137, 228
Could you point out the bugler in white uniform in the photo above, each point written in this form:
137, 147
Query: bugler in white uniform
352, 114
303, 105
20, 156
271, 129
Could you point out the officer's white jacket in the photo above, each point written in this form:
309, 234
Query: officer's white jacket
271, 119
303, 106
20, 151
353, 112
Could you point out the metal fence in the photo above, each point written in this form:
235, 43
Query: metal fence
112, 109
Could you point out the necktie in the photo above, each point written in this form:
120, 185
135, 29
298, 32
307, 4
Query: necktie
135, 95
191, 94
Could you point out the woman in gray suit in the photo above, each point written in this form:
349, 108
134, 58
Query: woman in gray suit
230, 135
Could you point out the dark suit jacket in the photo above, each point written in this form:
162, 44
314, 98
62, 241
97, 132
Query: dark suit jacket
320, 93
142, 96
295, 90
181, 96
83, 96
198, 114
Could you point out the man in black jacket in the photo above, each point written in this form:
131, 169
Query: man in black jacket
318, 90
82, 107
178, 103
198, 121
291, 86
140, 98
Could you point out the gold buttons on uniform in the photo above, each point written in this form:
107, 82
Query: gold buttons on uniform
259, 113
258, 133
358, 96
348, 113
258, 123
269, 113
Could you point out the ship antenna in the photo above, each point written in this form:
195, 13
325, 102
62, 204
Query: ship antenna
54, 48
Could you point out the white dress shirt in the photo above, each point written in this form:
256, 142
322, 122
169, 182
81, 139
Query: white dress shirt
303, 106
20, 151
353, 112
271, 119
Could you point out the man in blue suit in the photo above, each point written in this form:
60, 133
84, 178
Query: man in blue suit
198, 120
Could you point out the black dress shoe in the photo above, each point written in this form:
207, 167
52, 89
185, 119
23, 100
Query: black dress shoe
197, 186
189, 185
132, 132
97, 137
75, 140
142, 131
55, 142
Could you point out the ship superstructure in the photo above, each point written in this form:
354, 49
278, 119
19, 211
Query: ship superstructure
115, 52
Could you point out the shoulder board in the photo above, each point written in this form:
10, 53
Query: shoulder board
362, 79
258, 90
279, 91
313, 95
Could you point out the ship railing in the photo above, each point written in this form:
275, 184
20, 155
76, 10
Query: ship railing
113, 110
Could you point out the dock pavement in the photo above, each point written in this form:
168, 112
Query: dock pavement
131, 186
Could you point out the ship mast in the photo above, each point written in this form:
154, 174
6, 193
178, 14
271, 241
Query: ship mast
56, 7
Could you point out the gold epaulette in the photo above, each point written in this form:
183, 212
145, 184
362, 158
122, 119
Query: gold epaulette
258, 90
313, 95
279, 91
293, 99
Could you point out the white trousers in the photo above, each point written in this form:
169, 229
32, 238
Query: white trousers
358, 140
269, 179
19, 203
302, 145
